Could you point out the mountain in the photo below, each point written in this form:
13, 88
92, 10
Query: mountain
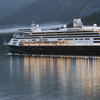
43, 11
92, 19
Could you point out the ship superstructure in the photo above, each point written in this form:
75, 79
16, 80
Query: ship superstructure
78, 40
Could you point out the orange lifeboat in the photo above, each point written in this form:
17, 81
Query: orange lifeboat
39, 42
26, 42
60, 41
32, 42
68, 42
21, 42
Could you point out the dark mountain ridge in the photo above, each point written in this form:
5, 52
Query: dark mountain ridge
92, 19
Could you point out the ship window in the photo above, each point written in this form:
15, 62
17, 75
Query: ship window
96, 38
76, 39
46, 42
21, 34
96, 41
87, 39
53, 42
68, 39
15, 40
26, 33
81, 39
59, 39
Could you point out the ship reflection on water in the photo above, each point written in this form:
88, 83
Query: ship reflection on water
50, 78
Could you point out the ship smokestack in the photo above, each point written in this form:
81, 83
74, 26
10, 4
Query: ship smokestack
77, 22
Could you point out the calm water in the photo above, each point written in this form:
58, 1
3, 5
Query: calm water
49, 78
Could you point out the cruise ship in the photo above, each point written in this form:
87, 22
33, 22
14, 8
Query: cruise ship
77, 40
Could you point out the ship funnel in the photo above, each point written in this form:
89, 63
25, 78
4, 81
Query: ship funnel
32, 26
77, 22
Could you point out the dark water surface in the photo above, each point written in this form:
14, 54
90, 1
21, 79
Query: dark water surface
49, 78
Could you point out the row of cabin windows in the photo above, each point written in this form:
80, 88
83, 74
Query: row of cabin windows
65, 34
96, 41
68, 39
15, 40
77, 39
60, 37
56, 41
96, 38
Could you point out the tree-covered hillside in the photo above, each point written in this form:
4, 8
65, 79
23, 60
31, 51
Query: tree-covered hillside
92, 19
89, 20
